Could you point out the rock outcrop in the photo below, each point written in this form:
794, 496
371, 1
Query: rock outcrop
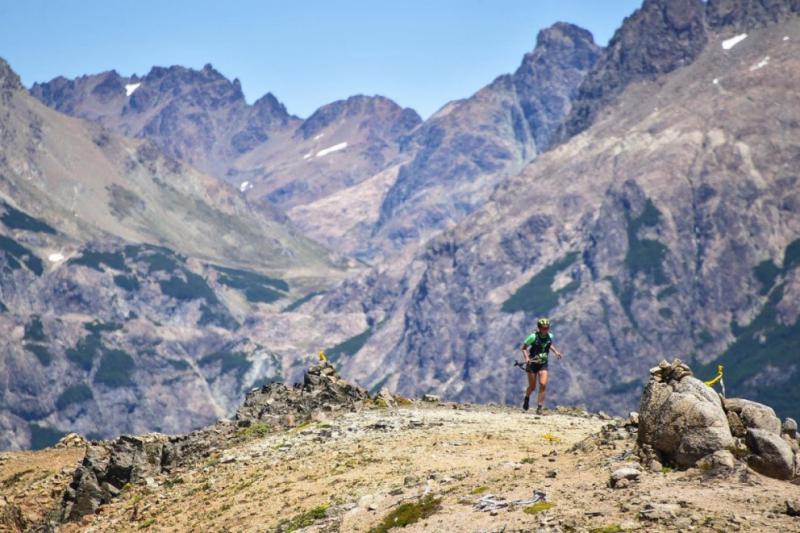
684, 422
680, 417
109, 466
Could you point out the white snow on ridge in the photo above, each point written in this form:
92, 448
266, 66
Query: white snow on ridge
727, 44
130, 88
55, 258
245, 186
309, 154
763, 63
334, 148
318, 137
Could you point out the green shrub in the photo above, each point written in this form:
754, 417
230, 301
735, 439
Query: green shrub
304, 519
41, 352
43, 436
128, 283
95, 260
193, 288
98, 326
791, 256
409, 513
178, 365
242, 279
537, 295
116, 367
350, 346
765, 273
297, 303
74, 394
34, 331
16, 219
538, 507
256, 430
229, 361
479, 490
85, 352
16, 252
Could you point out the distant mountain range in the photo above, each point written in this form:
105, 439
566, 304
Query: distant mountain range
159, 261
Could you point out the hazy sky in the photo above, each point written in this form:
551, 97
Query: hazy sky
420, 53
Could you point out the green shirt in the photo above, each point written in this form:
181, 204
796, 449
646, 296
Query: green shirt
538, 345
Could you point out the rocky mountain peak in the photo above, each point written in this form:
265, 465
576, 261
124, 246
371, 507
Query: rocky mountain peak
381, 113
658, 38
748, 14
9, 80
564, 35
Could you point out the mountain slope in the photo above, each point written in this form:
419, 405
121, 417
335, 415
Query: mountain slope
125, 274
669, 226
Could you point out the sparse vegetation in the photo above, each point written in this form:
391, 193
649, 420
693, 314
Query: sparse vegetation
645, 256
613, 528
229, 361
116, 367
13, 479
95, 260
552, 439
43, 436
479, 490
85, 352
537, 296
74, 394
256, 430
300, 301
409, 513
16, 253
34, 331
350, 346
766, 272
41, 352
256, 287
304, 519
128, 283
538, 507
16, 219
98, 326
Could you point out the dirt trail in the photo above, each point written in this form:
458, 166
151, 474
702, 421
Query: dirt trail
349, 472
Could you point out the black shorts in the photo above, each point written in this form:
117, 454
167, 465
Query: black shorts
535, 367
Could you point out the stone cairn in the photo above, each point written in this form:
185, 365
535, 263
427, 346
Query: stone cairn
683, 422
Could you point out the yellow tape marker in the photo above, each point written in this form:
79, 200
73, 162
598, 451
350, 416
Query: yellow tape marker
322, 356
720, 371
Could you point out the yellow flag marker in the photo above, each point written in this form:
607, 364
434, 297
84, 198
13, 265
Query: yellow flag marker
322, 356
720, 370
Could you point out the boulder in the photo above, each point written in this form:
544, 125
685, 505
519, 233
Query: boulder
772, 456
625, 473
681, 417
754, 415
789, 428
719, 462
735, 423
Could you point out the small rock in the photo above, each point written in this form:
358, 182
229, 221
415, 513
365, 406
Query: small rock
793, 507
621, 484
789, 427
603, 416
431, 398
633, 418
627, 473
659, 511
552, 473
410, 481
656, 466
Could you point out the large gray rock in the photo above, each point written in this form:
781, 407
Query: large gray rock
789, 428
683, 419
754, 415
772, 457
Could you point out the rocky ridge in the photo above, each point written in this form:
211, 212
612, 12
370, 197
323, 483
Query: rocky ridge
350, 462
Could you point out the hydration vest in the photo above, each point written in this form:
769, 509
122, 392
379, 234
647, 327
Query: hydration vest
539, 349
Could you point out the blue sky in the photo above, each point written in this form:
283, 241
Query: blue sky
419, 53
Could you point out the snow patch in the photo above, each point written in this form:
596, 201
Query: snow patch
727, 44
130, 88
763, 63
245, 186
55, 258
785, 37
318, 137
309, 154
715, 81
334, 148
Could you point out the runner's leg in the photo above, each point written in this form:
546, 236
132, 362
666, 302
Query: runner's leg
542, 386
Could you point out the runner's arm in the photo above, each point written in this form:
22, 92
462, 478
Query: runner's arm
525, 353
556, 351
